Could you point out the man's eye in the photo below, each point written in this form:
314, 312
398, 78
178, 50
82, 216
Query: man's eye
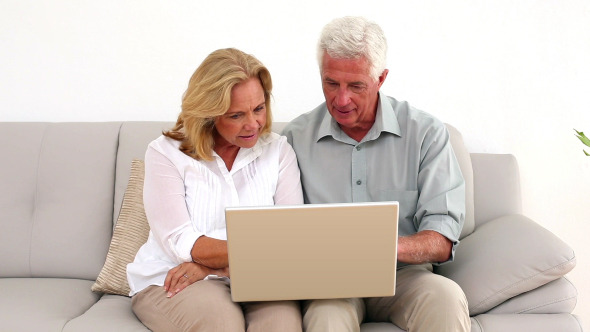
356, 88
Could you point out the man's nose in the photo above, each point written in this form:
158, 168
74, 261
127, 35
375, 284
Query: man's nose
342, 96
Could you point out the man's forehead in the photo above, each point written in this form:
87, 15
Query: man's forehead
350, 81
347, 69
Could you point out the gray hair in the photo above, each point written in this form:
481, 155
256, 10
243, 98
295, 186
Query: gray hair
352, 38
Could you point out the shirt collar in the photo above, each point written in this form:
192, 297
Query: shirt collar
385, 121
247, 155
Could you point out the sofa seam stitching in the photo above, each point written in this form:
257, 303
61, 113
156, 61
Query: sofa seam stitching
563, 299
486, 300
36, 198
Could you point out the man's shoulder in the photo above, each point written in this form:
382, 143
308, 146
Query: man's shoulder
410, 116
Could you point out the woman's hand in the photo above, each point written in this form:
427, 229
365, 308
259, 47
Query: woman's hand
187, 273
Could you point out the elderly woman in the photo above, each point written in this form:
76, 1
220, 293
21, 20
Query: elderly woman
220, 153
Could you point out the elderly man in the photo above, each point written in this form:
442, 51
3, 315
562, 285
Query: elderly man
361, 145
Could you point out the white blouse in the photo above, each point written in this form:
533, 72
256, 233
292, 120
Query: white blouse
186, 198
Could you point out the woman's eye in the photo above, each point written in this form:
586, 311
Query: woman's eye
259, 108
234, 116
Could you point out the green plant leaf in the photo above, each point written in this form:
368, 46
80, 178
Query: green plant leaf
588, 154
583, 138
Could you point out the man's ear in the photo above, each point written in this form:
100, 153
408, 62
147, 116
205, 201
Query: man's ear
383, 77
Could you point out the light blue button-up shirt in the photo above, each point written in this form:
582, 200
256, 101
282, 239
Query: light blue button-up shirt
406, 157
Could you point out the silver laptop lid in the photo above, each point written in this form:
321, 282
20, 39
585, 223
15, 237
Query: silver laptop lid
312, 251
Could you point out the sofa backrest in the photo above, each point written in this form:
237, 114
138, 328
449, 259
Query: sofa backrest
56, 198
497, 190
134, 138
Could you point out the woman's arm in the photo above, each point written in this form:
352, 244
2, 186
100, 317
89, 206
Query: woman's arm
210, 252
165, 207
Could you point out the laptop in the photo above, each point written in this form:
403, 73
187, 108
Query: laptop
312, 251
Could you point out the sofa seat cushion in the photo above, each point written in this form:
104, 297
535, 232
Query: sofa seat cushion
519, 323
488, 270
558, 296
43, 304
116, 308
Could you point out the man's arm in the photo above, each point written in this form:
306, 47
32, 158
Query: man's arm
441, 204
424, 247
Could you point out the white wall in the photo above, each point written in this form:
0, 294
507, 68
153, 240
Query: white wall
512, 76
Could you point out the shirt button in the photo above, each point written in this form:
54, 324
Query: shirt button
359, 182
358, 148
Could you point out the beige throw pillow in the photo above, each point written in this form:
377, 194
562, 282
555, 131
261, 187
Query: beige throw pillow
131, 232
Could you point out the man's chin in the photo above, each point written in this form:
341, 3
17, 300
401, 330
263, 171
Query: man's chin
344, 119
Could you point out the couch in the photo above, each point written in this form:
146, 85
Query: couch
61, 191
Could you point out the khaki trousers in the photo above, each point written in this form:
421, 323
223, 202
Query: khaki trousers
423, 302
206, 306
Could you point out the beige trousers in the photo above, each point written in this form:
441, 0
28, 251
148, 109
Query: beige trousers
207, 306
423, 302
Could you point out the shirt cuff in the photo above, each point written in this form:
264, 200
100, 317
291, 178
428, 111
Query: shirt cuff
183, 246
447, 227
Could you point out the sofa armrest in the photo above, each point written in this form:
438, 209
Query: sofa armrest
507, 257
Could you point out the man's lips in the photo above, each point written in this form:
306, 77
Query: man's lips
342, 111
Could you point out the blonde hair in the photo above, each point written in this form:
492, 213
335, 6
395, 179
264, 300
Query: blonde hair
209, 95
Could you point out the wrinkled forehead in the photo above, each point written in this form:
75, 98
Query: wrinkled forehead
334, 66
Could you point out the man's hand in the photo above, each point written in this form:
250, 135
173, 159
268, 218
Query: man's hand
424, 247
185, 274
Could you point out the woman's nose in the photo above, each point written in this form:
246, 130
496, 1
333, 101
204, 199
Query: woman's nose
252, 121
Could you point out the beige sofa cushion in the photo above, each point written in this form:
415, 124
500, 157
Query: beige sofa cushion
131, 232
507, 257
56, 198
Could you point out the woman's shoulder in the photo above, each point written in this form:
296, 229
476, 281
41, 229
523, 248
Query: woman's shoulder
168, 147
164, 143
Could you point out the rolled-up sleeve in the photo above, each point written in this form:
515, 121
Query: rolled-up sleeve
165, 207
441, 203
